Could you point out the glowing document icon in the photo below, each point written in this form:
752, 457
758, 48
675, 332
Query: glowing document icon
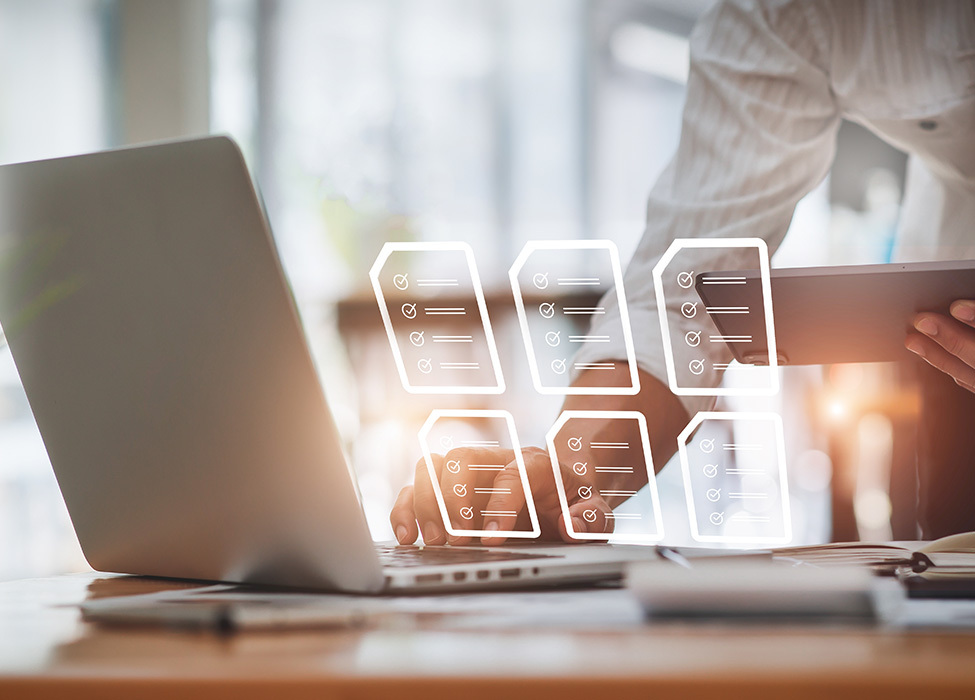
556, 303
436, 318
479, 481
696, 336
735, 478
596, 478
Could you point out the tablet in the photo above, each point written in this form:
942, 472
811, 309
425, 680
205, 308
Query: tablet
825, 315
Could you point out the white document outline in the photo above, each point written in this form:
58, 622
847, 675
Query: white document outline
374, 272
641, 420
682, 441
766, 280
431, 420
513, 272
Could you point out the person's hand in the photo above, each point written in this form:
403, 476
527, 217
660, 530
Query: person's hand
948, 343
416, 506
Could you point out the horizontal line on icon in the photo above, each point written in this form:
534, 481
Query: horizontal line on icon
726, 366
436, 283
499, 513
739, 446
745, 494
616, 492
624, 516
730, 338
723, 280
583, 310
588, 338
614, 470
608, 445
460, 365
486, 467
486, 490
594, 365
453, 339
445, 311
742, 470
745, 518
578, 281
726, 309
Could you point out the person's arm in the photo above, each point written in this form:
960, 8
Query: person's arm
416, 505
758, 133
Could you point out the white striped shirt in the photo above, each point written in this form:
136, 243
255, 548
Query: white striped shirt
769, 82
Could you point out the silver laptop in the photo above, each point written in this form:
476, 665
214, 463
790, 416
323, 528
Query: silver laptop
159, 346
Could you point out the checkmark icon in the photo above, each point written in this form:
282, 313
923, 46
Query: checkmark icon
453, 466
460, 489
424, 365
585, 492
409, 311
685, 279
716, 518
693, 338
467, 512
707, 446
416, 337
575, 444
553, 338
540, 280
589, 515
547, 310
401, 282
446, 442
696, 367
713, 495
689, 309
580, 468
710, 470
558, 366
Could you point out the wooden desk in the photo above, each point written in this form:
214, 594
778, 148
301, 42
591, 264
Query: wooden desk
47, 652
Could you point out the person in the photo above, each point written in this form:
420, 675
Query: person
769, 82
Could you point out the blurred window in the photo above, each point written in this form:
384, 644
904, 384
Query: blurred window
489, 121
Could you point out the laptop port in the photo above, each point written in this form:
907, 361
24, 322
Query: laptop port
510, 573
481, 575
429, 578
460, 575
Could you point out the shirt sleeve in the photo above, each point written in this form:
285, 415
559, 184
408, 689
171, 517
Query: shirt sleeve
758, 133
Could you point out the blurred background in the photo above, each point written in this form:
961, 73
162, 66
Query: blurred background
488, 121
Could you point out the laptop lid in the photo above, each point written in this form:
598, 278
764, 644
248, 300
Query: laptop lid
160, 349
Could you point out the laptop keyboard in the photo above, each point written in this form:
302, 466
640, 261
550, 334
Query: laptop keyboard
412, 555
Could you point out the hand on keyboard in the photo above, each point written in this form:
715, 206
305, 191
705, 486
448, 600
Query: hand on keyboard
497, 491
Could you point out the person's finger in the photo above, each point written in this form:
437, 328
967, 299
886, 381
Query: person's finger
402, 517
425, 505
458, 493
465, 481
936, 356
964, 311
508, 497
957, 339
545, 496
505, 503
588, 510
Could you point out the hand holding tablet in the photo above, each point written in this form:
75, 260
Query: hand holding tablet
947, 343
